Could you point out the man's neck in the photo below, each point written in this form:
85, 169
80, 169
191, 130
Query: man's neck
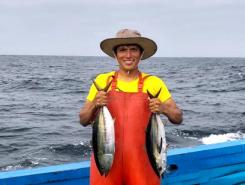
128, 75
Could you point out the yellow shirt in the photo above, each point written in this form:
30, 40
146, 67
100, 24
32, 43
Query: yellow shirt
152, 84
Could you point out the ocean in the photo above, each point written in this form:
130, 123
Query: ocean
40, 99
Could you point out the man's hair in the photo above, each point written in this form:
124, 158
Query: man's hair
115, 48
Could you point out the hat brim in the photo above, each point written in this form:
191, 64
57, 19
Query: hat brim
148, 45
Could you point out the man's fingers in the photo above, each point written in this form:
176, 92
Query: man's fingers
100, 99
154, 105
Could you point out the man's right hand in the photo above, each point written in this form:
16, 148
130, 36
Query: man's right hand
100, 99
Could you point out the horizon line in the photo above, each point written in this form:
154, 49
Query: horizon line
111, 57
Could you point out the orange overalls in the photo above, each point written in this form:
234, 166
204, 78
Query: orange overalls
131, 165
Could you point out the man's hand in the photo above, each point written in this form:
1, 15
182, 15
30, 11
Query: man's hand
155, 105
100, 99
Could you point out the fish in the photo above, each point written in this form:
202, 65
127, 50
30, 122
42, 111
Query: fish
156, 145
103, 139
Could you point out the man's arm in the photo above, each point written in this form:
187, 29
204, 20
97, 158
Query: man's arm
168, 108
88, 112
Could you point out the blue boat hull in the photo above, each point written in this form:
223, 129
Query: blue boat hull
206, 164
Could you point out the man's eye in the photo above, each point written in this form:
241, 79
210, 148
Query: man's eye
134, 49
122, 49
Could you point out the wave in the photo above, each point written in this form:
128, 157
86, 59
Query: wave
24, 164
236, 89
83, 149
15, 130
220, 138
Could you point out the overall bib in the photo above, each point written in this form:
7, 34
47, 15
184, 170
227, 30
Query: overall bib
131, 165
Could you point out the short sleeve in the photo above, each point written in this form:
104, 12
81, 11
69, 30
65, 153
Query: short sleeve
101, 80
154, 84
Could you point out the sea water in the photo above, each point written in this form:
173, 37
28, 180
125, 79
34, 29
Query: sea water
40, 99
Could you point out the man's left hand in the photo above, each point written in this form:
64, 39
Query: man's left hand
155, 105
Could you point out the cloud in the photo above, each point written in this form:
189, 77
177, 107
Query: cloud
75, 27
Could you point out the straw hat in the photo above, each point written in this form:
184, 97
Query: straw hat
126, 37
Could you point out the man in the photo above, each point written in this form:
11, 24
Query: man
131, 107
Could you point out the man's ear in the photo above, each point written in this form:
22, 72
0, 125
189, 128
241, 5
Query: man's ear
115, 55
142, 55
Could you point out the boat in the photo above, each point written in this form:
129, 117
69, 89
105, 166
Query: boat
222, 163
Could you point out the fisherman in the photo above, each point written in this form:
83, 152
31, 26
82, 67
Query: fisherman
131, 107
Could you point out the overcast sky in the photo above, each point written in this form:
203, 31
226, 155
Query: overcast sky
181, 28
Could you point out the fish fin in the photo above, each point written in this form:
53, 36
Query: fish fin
156, 96
151, 95
107, 86
97, 86
159, 147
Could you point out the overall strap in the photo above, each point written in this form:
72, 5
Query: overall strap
109, 80
114, 81
141, 82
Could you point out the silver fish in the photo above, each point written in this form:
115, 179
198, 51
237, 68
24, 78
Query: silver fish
156, 144
156, 141
103, 140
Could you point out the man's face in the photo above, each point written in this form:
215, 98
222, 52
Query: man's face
128, 57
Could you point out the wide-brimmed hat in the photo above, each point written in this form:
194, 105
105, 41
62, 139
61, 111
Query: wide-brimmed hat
127, 37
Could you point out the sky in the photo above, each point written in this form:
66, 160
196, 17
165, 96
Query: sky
181, 28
